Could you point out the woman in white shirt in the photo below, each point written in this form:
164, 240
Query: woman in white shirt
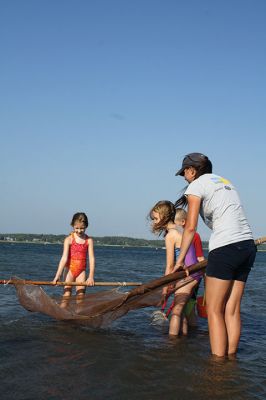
231, 247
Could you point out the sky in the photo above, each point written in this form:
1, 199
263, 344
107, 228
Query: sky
101, 100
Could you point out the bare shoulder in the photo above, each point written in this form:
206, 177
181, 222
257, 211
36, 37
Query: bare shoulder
90, 240
173, 238
173, 234
68, 239
170, 237
67, 243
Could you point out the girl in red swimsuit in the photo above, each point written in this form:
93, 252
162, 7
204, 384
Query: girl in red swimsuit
77, 246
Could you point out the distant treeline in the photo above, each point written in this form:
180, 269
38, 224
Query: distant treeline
98, 241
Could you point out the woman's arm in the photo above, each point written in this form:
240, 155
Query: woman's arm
90, 279
63, 260
190, 228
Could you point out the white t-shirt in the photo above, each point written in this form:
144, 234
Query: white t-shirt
221, 210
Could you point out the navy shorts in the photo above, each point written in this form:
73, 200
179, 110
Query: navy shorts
233, 261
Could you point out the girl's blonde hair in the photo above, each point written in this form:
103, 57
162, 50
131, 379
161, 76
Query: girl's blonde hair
166, 210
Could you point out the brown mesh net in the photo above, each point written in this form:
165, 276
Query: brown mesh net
101, 308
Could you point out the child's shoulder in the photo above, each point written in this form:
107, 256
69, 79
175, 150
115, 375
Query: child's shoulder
173, 234
89, 239
68, 239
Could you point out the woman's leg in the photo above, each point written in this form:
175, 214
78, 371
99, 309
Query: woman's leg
232, 315
227, 270
217, 293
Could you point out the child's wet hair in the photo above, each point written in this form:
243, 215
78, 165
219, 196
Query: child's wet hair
80, 217
166, 210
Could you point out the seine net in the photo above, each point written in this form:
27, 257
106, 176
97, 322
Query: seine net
99, 309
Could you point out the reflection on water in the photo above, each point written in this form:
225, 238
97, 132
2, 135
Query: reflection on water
46, 359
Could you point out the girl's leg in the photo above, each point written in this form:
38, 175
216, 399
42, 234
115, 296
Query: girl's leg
181, 297
232, 315
192, 319
175, 321
80, 290
184, 325
217, 293
67, 290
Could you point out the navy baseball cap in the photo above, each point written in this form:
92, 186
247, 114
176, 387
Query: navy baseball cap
192, 160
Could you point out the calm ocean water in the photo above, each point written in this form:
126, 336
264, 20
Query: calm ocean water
41, 358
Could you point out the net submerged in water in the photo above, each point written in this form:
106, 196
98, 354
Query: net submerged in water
101, 308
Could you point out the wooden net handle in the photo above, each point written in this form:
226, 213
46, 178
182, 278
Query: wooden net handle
48, 283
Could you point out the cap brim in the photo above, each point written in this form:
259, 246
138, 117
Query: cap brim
180, 172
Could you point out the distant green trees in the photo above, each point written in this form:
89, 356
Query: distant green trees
31, 237
99, 241
127, 241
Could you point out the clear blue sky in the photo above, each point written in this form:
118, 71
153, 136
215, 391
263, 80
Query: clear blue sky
100, 100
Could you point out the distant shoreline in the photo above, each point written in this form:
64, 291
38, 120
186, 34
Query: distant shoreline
104, 241
123, 241
60, 243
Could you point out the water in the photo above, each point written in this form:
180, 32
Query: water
41, 358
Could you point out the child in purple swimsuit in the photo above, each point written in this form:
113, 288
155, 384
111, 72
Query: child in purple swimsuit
191, 256
194, 255
162, 216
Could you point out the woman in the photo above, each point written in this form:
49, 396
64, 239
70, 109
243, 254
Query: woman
231, 248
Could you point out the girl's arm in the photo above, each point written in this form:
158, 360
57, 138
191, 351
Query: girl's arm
170, 240
190, 228
63, 260
90, 280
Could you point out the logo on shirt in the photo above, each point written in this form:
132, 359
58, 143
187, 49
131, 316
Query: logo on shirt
219, 179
